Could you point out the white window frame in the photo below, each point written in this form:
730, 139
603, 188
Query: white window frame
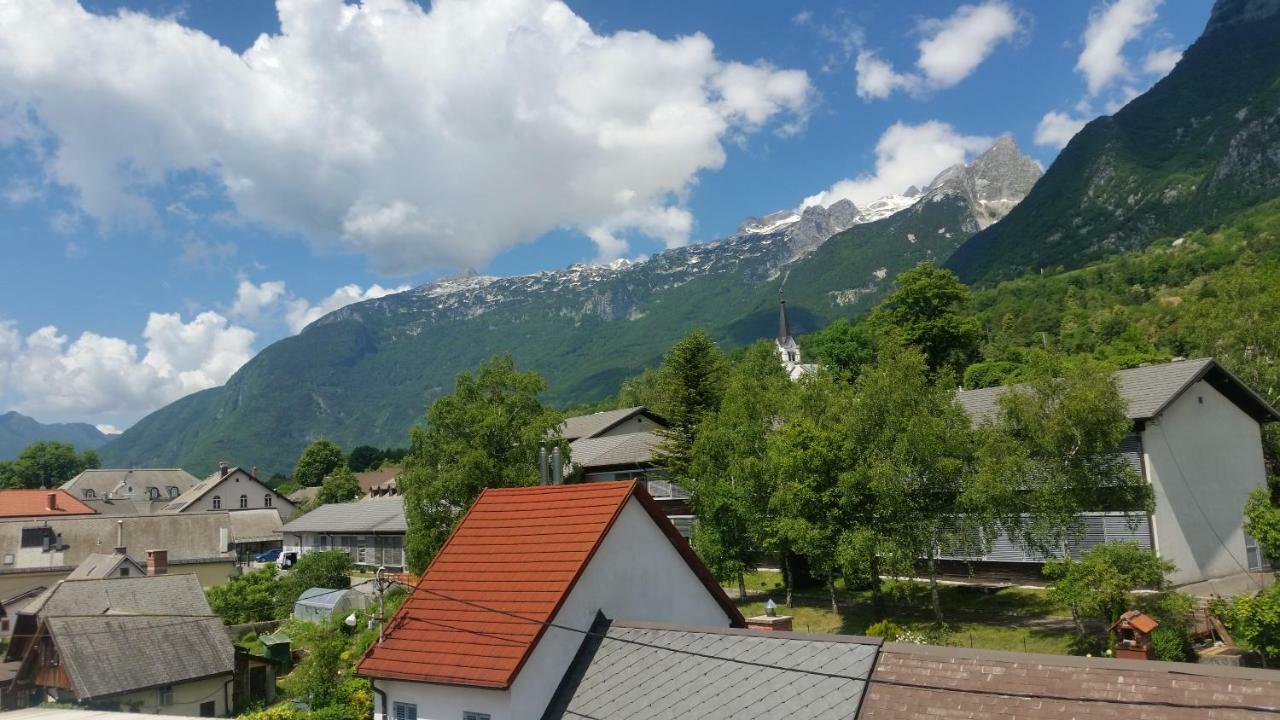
244, 502
403, 711
469, 715
217, 502
266, 500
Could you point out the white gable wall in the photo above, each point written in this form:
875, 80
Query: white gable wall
237, 483
636, 574
1203, 457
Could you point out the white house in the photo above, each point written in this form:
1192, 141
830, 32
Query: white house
230, 489
475, 640
1197, 439
371, 531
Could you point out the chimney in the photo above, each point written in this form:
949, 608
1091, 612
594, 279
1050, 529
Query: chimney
543, 472
52, 501
223, 468
157, 562
557, 468
770, 621
119, 548
255, 472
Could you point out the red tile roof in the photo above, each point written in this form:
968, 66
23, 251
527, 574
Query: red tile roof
35, 503
519, 551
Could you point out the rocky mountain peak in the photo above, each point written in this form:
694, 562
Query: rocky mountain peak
1230, 12
993, 183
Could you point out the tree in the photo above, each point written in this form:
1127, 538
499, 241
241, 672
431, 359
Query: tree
47, 464
325, 569
486, 434
340, 487
691, 382
729, 480
1051, 453
317, 462
843, 346
1256, 621
905, 473
930, 309
1262, 520
252, 597
1101, 584
364, 457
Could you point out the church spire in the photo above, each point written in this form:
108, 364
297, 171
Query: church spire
784, 327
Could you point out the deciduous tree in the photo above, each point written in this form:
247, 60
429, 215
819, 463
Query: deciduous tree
341, 486
930, 309
317, 462
1100, 585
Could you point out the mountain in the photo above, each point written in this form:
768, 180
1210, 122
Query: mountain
365, 373
17, 431
1199, 146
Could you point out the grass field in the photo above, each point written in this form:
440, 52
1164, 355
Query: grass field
997, 619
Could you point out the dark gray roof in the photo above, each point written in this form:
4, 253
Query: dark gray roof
254, 525
180, 594
117, 653
585, 426
614, 450
380, 514
1149, 390
100, 565
206, 485
106, 480
633, 673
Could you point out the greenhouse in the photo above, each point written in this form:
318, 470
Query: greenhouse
323, 603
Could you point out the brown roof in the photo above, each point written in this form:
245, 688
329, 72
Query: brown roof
371, 479
1138, 620
920, 682
518, 552
35, 503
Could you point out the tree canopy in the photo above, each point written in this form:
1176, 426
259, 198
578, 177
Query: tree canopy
317, 461
930, 309
341, 486
46, 464
487, 433
1101, 584
690, 384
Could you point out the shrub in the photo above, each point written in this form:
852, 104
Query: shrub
1172, 643
886, 629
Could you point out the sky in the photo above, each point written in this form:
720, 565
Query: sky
183, 183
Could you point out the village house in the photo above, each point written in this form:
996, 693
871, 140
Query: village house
472, 643
230, 489
42, 550
132, 491
371, 531
118, 642
620, 445
40, 504
1197, 440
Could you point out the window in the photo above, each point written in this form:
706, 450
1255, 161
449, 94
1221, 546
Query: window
208, 709
217, 502
266, 500
166, 694
244, 501
173, 491
153, 493
89, 493
40, 537
404, 711
468, 715
124, 571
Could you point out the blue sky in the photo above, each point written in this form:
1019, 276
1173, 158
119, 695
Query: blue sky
173, 198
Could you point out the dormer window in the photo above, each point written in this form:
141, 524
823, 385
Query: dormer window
173, 491
89, 493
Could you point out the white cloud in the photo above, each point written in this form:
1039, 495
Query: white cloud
1110, 28
951, 49
804, 17
1160, 62
299, 313
669, 224
205, 253
253, 301
108, 429
1056, 129
418, 137
905, 155
51, 375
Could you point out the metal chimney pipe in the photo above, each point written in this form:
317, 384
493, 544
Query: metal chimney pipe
557, 469
543, 477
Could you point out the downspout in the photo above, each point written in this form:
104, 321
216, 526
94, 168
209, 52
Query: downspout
226, 700
383, 695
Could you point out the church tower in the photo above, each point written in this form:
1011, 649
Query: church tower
786, 347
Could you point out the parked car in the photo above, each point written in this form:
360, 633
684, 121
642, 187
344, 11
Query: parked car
267, 555
287, 559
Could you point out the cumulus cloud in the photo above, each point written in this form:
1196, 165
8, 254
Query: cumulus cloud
416, 136
49, 374
906, 155
252, 301
950, 50
299, 313
1110, 28
1056, 129
1160, 62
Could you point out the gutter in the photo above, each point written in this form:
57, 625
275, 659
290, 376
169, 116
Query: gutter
381, 693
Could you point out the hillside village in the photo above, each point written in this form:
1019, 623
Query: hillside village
1002, 445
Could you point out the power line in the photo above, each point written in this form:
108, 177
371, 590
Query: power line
866, 681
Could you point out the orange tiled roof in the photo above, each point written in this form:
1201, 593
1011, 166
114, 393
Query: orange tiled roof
520, 551
35, 503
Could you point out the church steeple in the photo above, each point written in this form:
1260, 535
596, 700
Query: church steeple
784, 327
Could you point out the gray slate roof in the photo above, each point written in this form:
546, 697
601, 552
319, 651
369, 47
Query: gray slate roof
179, 594
615, 678
106, 480
1148, 390
114, 654
100, 565
585, 426
255, 525
372, 515
613, 450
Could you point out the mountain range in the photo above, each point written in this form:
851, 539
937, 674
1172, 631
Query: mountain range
1200, 146
18, 431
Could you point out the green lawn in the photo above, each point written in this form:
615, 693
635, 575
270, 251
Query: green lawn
996, 619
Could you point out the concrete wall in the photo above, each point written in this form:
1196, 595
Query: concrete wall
1203, 457
635, 575
238, 483
186, 698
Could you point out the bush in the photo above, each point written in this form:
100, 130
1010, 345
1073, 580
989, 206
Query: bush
280, 711
1172, 643
886, 629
